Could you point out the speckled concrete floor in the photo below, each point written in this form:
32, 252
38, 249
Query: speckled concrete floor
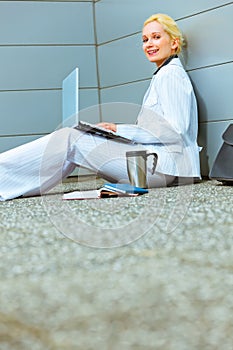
162, 281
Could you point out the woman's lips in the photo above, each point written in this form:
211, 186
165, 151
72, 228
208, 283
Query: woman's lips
151, 52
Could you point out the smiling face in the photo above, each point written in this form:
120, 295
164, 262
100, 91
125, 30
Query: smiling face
157, 44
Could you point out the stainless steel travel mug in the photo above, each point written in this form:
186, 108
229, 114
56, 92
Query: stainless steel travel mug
137, 167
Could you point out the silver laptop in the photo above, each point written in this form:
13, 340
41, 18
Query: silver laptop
99, 131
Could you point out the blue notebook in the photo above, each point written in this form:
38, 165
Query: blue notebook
124, 188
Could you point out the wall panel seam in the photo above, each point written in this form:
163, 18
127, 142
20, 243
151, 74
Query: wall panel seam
204, 11
29, 90
209, 66
77, 1
119, 38
45, 45
177, 19
23, 135
126, 83
216, 121
97, 60
46, 89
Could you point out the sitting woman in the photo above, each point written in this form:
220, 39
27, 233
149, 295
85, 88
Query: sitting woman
167, 125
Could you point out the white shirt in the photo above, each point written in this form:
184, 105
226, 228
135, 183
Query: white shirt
168, 122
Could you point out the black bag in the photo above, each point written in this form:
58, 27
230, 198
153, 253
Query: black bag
222, 169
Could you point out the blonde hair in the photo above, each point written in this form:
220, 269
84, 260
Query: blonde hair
170, 27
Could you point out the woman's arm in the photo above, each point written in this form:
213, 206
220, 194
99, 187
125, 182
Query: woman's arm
169, 106
176, 95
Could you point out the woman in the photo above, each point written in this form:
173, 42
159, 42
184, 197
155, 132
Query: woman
166, 125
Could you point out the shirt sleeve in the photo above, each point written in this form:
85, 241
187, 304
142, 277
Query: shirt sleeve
175, 93
171, 96
137, 134
166, 112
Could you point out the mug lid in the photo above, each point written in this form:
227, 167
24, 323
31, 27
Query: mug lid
141, 153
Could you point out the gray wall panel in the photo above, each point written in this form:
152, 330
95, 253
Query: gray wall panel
209, 37
55, 0
45, 23
131, 93
7, 143
45, 67
214, 86
40, 44
37, 112
210, 137
89, 105
124, 17
131, 65
123, 61
88, 97
29, 112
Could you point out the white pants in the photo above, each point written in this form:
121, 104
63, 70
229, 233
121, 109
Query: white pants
38, 166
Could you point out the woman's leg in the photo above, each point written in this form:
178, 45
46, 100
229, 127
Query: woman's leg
108, 159
38, 166
27, 168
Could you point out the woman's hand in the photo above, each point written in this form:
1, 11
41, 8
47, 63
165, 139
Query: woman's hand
108, 126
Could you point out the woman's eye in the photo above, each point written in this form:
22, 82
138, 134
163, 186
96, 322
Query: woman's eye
154, 37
